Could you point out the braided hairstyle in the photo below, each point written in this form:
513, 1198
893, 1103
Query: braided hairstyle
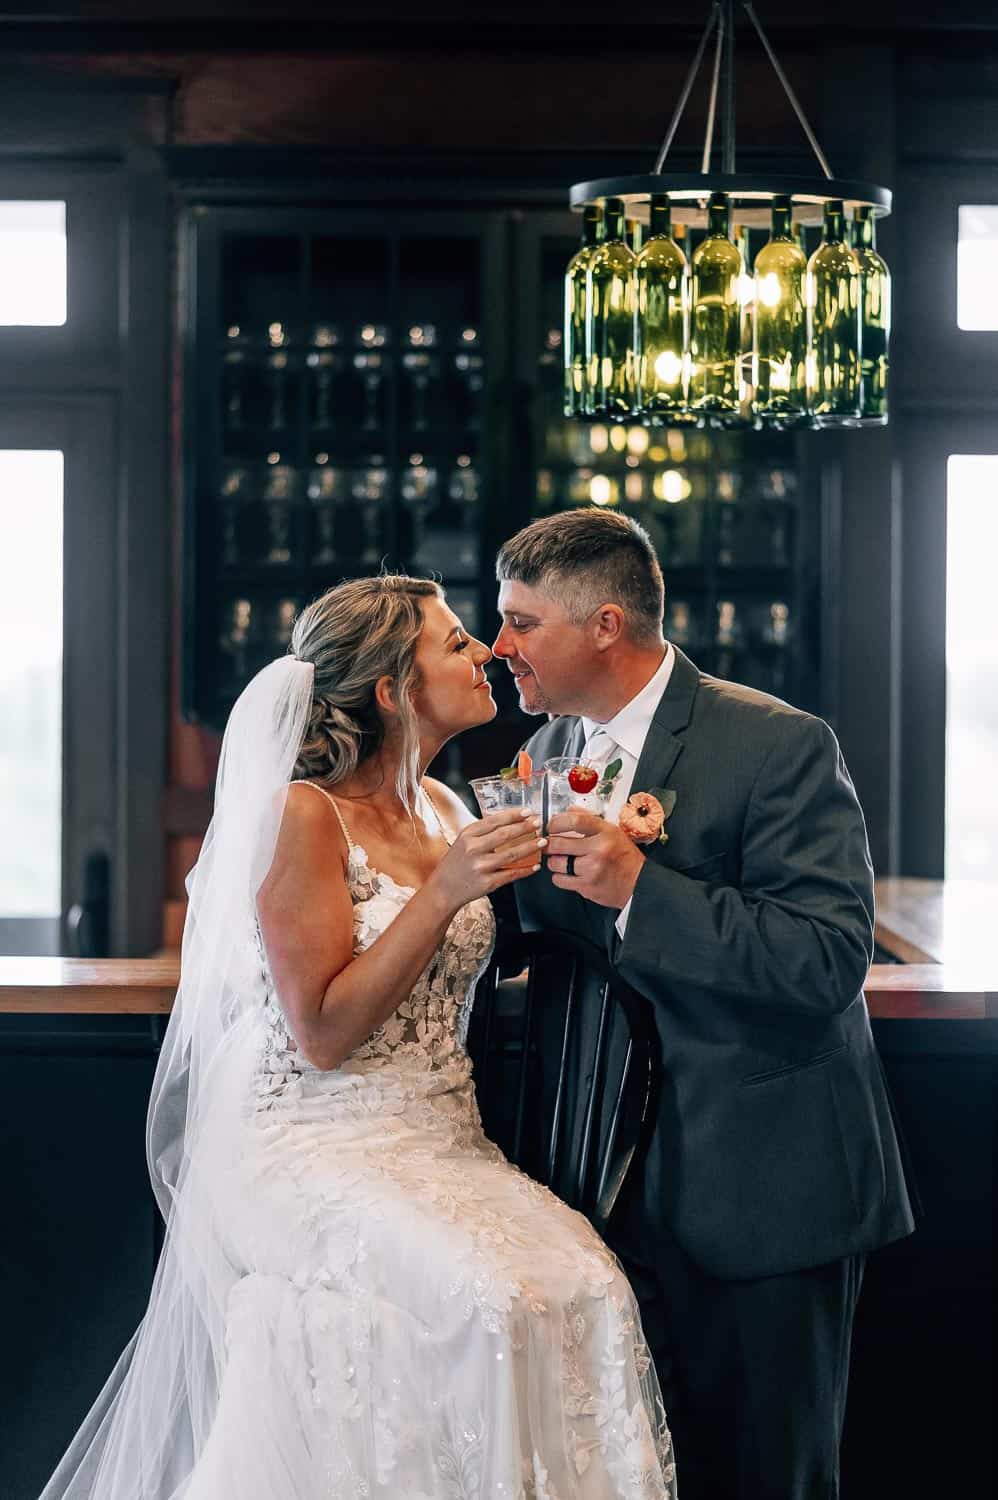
358, 632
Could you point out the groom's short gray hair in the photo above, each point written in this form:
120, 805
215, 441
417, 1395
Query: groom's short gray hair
587, 557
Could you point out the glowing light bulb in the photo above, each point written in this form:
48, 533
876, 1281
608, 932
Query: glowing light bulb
769, 289
668, 367
637, 440
675, 486
779, 375
599, 438
599, 489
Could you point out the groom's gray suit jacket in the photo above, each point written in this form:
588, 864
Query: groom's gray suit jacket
750, 932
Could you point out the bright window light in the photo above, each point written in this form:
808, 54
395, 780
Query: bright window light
32, 263
31, 484
971, 668
976, 256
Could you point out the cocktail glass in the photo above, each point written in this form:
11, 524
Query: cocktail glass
562, 796
498, 793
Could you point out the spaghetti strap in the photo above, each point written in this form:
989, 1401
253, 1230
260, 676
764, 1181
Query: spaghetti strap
336, 809
440, 822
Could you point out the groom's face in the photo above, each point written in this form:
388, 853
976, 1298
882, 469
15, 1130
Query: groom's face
550, 658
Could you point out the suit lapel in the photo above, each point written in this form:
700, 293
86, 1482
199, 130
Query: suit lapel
662, 745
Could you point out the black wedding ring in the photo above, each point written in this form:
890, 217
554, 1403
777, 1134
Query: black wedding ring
569, 864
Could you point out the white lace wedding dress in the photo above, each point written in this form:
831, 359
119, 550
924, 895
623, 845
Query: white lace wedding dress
415, 1318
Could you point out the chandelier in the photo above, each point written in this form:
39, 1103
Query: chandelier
671, 321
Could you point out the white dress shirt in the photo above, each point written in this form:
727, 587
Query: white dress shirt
624, 735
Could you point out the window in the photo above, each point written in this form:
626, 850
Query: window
31, 588
32, 263
976, 256
971, 667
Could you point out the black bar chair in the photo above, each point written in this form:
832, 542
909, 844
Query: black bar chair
567, 1068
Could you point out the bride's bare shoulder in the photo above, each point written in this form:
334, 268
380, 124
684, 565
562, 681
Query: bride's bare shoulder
310, 818
448, 804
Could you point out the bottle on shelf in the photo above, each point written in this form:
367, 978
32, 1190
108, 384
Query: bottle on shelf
875, 305
834, 321
661, 319
715, 316
574, 341
610, 320
780, 354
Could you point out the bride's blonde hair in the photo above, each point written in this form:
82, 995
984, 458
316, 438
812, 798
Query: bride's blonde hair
356, 633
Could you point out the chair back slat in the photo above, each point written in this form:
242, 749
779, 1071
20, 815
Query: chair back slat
558, 1113
575, 1052
593, 1107
613, 1128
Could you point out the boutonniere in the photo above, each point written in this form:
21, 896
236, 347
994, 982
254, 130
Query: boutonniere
644, 814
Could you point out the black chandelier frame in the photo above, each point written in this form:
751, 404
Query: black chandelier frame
751, 194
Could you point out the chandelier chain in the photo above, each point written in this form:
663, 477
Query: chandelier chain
687, 88
788, 90
708, 143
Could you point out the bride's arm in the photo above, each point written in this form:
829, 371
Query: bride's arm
333, 1000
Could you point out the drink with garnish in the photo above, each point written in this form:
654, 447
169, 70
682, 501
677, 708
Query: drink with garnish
518, 785
572, 784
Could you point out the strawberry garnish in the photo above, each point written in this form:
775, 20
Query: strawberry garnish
582, 779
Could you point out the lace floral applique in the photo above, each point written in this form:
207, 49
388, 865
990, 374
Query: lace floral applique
459, 1460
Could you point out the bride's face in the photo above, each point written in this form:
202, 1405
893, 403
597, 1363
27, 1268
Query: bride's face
454, 692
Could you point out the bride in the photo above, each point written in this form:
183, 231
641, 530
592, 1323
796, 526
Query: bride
358, 1295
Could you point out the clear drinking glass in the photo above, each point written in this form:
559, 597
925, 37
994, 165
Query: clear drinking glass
562, 796
498, 793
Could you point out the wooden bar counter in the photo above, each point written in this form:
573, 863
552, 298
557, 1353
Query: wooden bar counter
134, 986
938, 921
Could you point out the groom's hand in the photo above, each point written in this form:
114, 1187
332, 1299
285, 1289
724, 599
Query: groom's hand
607, 862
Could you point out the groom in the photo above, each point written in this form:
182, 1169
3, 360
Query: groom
773, 1168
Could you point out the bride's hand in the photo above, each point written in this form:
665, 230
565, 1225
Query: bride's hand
495, 850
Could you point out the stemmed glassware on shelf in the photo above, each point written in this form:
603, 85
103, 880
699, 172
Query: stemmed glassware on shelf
325, 495
678, 624
469, 368
234, 494
728, 638
369, 362
324, 361
234, 640
234, 365
422, 368
419, 493
279, 493
284, 620
370, 491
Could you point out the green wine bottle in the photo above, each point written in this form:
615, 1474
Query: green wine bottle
661, 319
746, 336
715, 316
610, 320
875, 302
834, 326
574, 340
780, 362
